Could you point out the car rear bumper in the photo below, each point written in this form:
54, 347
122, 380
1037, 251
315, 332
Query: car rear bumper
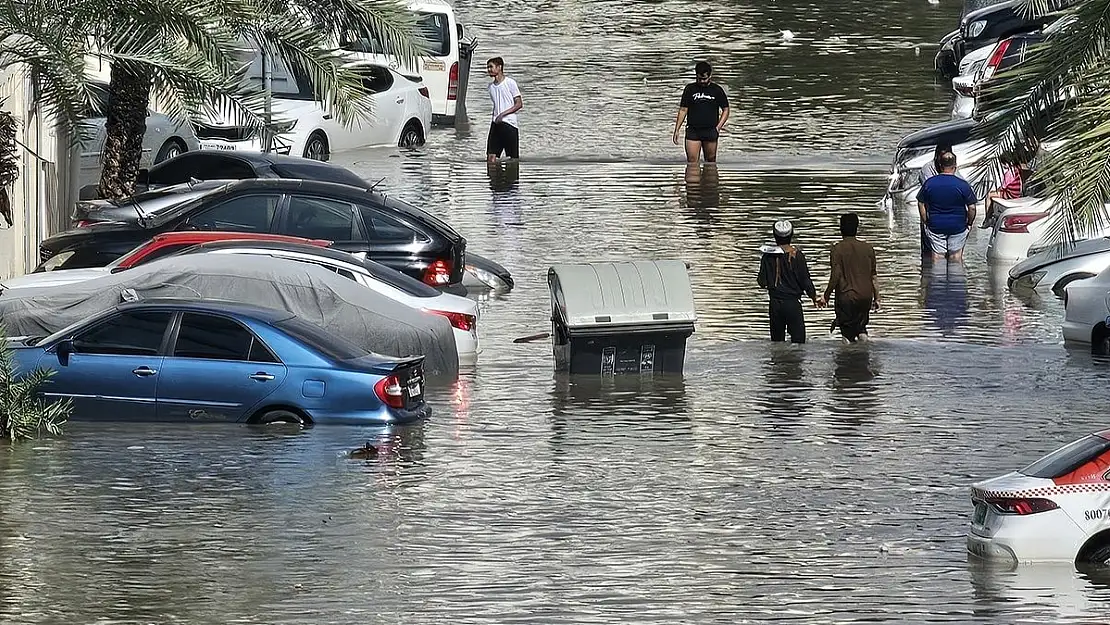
1050, 536
1009, 246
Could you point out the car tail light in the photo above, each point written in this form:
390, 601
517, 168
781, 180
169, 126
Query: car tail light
462, 321
388, 390
424, 92
1020, 223
438, 273
453, 82
1021, 505
996, 59
84, 223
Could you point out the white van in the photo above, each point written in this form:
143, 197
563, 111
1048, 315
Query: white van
446, 68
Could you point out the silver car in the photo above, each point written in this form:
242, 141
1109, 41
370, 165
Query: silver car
164, 139
1055, 267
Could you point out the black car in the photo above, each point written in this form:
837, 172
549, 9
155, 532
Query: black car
229, 165
988, 25
359, 221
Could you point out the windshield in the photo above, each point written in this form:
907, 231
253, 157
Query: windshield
1068, 458
309, 171
434, 31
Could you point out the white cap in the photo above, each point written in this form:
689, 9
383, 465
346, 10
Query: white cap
783, 228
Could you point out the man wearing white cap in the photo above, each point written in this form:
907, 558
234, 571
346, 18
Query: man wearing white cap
784, 273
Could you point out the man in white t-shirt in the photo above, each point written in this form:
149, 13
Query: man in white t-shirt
504, 132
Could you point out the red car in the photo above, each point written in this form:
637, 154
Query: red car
170, 242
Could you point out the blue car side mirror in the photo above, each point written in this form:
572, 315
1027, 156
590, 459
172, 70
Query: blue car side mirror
63, 350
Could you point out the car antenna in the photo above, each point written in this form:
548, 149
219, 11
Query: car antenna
375, 185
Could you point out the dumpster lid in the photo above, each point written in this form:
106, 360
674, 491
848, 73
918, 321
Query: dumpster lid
622, 293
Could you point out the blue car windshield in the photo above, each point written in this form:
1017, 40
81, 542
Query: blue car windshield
326, 343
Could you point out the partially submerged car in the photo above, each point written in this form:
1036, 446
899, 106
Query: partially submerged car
359, 221
360, 315
1054, 510
1053, 268
1087, 313
461, 312
190, 361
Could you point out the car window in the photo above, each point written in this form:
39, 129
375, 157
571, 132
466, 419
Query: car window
377, 79
218, 338
202, 166
382, 227
321, 340
246, 213
338, 270
435, 33
1068, 458
129, 333
321, 218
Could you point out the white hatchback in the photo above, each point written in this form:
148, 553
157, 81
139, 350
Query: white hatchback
1054, 510
401, 116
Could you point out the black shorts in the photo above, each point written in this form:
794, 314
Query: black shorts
705, 135
503, 137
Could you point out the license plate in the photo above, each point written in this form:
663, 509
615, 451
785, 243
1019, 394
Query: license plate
980, 513
218, 146
434, 65
416, 389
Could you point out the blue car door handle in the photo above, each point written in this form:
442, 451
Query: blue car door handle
144, 371
262, 376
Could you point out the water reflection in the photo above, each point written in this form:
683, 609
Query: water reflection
944, 284
504, 181
613, 397
702, 190
855, 394
786, 400
1046, 591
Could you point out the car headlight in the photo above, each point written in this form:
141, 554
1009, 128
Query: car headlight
56, 260
485, 277
282, 127
976, 28
1029, 280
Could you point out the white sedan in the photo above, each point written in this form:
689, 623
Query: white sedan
1054, 510
1026, 223
401, 116
1087, 313
1052, 269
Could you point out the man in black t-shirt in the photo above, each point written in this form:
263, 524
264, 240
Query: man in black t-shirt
704, 108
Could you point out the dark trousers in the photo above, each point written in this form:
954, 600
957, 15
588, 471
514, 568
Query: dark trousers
852, 315
786, 316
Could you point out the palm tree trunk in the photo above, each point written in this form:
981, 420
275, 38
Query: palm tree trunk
128, 99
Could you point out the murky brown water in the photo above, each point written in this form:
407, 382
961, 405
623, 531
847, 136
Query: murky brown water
823, 483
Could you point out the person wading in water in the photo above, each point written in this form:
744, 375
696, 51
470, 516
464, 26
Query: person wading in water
854, 279
785, 275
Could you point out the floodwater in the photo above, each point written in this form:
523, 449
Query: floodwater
819, 483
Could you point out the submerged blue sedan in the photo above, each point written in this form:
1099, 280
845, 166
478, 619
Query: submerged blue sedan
173, 360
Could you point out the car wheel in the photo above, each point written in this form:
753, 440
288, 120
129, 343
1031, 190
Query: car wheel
317, 147
274, 417
170, 149
411, 136
1095, 554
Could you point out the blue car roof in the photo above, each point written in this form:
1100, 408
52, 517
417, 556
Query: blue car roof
266, 315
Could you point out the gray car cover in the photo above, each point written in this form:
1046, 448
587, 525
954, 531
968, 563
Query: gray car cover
317, 295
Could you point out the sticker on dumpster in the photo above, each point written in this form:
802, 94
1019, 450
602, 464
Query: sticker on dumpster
647, 358
608, 361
